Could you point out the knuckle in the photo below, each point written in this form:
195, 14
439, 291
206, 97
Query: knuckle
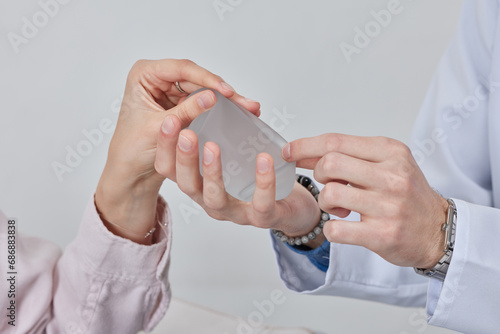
392, 238
398, 183
187, 189
331, 161
213, 179
264, 183
327, 164
404, 151
184, 188
405, 170
333, 142
389, 209
186, 62
137, 70
184, 66
140, 63
332, 232
395, 212
263, 209
139, 66
214, 197
385, 237
163, 169
213, 77
401, 179
182, 112
397, 148
386, 141
330, 194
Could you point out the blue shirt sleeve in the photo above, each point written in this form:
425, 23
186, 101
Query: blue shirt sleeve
319, 257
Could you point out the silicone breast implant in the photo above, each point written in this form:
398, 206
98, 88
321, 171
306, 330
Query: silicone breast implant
240, 136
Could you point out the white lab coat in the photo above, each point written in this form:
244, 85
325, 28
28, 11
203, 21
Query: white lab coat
456, 141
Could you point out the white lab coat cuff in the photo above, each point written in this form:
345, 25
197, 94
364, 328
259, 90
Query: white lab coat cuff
465, 298
353, 272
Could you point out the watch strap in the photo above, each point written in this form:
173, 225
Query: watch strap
440, 270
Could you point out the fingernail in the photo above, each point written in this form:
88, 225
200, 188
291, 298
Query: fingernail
168, 125
262, 165
206, 100
227, 86
286, 152
208, 156
184, 143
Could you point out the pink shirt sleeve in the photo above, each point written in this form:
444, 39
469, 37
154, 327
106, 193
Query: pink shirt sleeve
102, 283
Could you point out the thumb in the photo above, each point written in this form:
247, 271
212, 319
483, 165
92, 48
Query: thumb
190, 108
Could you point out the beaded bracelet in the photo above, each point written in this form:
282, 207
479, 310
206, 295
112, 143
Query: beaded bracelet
318, 229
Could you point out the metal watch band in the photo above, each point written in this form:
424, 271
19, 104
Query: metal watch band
440, 270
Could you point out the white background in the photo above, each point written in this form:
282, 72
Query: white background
284, 53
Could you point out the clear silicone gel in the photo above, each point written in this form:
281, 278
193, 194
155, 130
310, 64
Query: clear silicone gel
240, 136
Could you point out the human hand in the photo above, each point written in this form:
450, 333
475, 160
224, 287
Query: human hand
295, 215
401, 215
127, 192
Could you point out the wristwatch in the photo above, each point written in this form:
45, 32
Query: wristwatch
440, 270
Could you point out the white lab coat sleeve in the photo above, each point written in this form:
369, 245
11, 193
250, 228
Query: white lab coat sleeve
469, 301
353, 272
454, 140
451, 143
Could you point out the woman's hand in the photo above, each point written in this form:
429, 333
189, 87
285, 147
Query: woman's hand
401, 215
128, 189
295, 215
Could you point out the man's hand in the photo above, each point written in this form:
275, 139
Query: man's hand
295, 215
401, 215
128, 189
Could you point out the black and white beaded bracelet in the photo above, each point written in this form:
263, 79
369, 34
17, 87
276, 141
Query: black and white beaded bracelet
297, 241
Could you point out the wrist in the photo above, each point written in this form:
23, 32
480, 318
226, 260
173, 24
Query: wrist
437, 240
307, 228
308, 216
127, 208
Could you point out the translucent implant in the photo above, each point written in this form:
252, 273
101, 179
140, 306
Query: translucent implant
240, 136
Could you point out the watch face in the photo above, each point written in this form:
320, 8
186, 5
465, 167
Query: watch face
449, 226
446, 236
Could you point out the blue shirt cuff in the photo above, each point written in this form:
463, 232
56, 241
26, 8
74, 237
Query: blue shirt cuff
319, 257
